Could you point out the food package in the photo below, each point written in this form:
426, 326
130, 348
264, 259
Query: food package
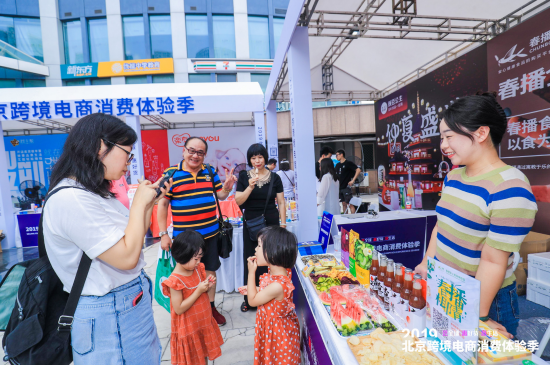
345, 246
363, 262
353, 236
328, 262
500, 347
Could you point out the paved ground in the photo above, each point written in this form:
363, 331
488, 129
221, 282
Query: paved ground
238, 333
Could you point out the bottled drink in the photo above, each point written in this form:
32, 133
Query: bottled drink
374, 270
417, 306
403, 307
382, 277
388, 282
396, 288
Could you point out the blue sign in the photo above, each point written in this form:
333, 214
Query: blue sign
402, 240
32, 158
324, 233
80, 70
28, 228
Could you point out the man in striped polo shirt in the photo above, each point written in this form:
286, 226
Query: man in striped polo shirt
194, 207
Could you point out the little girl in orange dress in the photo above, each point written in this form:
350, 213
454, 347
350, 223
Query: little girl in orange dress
196, 336
277, 337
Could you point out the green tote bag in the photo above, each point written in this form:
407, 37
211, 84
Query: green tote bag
165, 267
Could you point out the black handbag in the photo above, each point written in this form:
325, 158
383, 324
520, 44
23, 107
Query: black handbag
39, 328
255, 225
225, 238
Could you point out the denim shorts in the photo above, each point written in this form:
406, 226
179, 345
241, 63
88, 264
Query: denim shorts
111, 330
505, 308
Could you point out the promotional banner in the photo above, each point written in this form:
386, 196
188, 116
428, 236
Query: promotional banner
411, 168
227, 147
31, 158
117, 68
28, 229
155, 153
519, 70
452, 312
402, 240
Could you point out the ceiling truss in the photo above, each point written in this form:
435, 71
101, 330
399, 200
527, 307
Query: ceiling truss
48, 124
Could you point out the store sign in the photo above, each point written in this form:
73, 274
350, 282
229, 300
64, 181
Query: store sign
118, 68
28, 229
79, 71
452, 313
395, 103
231, 66
59, 109
324, 232
31, 158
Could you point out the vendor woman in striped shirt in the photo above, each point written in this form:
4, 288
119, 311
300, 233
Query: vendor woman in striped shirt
486, 208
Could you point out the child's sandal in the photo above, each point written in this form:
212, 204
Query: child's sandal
245, 307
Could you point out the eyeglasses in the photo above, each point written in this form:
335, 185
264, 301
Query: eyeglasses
130, 155
193, 151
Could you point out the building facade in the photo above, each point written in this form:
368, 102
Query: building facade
109, 42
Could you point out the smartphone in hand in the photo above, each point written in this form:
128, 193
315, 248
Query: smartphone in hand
165, 178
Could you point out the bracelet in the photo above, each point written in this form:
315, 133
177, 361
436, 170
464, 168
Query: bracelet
225, 190
484, 319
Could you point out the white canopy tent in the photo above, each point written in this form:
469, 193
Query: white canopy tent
57, 109
364, 50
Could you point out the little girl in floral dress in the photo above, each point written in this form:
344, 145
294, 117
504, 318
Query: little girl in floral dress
196, 336
277, 338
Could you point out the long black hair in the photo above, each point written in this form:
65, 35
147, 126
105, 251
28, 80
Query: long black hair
327, 167
80, 159
467, 114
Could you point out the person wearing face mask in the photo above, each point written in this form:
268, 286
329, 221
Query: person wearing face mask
486, 208
252, 196
194, 207
114, 316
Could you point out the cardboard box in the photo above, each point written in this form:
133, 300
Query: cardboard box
521, 279
534, 243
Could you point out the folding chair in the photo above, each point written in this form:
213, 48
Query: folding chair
356, 201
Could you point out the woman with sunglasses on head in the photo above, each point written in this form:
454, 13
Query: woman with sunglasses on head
486, 208
113, 321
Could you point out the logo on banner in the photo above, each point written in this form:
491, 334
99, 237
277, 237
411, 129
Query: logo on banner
14, 142
226, 64
510, 56
179, 139
384, 108
116, 68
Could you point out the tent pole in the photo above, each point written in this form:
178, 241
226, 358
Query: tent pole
272, 137
259, 125
301, 113
7, 219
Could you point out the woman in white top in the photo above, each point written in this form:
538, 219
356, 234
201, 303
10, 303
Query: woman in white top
327, 196
287, 177
113, 322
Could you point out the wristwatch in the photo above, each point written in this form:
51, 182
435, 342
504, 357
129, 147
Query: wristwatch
162, 233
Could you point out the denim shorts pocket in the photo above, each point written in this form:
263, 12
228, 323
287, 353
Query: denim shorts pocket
82, 335
514, 304
129, 299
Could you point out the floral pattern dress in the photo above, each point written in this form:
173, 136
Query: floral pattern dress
195, 333
277, 339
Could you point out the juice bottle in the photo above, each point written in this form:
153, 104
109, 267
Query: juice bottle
374, 270
403, 307
396, 288
381, 277
417, 306
388, 282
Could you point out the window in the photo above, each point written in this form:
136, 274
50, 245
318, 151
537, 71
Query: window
136, 79
101, 81
134, 45
262, 79
72, 35
224, 36
258, 37
277, 30
193, 78
7, 83
34, 83
197, 36
161, 36
76, 82
163, 79
24, 34
98, 40
226, 77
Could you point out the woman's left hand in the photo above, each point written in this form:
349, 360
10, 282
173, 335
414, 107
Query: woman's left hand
500, 328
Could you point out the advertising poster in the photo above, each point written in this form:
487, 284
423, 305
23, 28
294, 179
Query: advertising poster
28, 229
519, 70
411, 168
312, 347
227, 147
452, 312
155, 153
31, 158
404, 244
